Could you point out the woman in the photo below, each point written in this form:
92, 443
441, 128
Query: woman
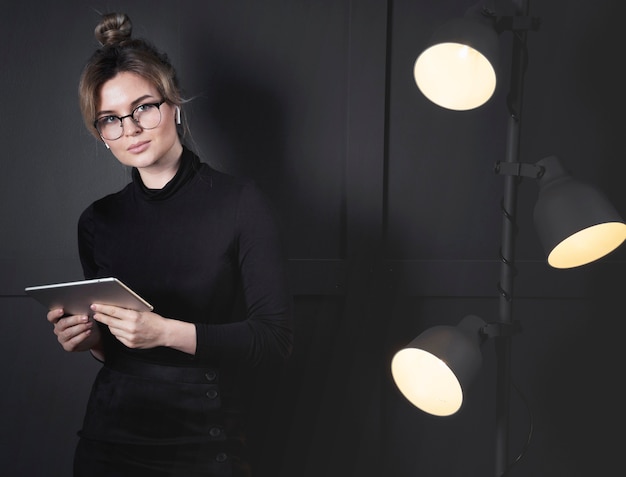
169, 399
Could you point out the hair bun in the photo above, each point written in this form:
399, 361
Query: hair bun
113, 29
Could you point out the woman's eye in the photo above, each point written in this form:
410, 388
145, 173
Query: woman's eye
108, 120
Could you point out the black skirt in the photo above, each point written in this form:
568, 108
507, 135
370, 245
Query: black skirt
102, 459
160, 421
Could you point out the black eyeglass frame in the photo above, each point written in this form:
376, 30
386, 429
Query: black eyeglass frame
131, 116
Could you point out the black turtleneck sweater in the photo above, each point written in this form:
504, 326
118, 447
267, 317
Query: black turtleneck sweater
193, 249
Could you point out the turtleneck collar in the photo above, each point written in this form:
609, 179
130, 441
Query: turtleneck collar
187, 168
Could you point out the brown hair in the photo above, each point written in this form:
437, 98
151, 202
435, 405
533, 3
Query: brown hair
122, 53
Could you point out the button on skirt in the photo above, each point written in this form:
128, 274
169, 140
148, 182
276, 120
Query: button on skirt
162, 421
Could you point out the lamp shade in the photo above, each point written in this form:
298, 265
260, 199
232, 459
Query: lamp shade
458, 69
436, 369
576, 222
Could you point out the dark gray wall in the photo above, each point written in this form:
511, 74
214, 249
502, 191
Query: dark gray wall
391, 215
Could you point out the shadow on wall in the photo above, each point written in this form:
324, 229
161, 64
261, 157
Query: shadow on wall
240, 123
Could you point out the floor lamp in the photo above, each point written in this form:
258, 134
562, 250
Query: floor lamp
576, 223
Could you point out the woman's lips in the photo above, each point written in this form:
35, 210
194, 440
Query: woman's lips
138, 147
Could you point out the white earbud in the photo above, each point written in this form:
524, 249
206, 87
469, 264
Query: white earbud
107, 146
177, 115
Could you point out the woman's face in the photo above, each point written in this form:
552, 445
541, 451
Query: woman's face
154, 151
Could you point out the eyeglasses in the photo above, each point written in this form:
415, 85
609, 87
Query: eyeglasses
146, 116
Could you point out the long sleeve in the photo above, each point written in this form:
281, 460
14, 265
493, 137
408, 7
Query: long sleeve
267, 331
85, 243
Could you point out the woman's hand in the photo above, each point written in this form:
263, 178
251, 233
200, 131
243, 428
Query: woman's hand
145, 329
76, 332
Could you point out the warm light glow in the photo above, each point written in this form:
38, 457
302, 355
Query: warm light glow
455, 76
427, 382
588, 245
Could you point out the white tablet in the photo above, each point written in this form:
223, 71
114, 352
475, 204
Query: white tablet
76, 297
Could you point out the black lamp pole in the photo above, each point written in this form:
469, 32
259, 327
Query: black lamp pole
507, 267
